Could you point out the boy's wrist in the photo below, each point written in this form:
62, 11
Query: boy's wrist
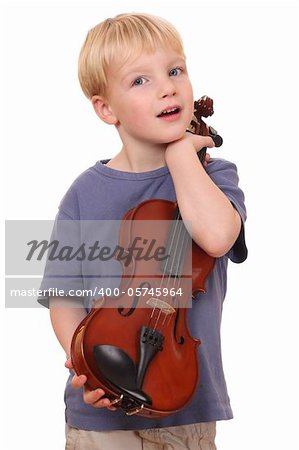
178, 149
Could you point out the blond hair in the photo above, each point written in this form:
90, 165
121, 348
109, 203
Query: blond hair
115, 41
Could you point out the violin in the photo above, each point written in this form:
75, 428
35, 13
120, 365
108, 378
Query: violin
138, 348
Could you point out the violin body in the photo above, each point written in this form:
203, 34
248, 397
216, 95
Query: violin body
172, 376
169, 391
138, 348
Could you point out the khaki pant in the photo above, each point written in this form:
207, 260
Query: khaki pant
199, 436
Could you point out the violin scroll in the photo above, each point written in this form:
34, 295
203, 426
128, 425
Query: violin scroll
204, 108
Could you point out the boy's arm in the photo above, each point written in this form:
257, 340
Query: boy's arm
215, 222
65, 314
65, 317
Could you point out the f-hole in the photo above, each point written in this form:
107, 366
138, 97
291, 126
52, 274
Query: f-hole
180, 340
135, 302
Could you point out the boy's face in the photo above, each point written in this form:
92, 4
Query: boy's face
151, 97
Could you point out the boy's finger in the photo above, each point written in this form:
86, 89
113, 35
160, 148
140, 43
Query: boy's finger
104, 403
95, 397
202, 141
68, 364
78, 381
209, 141
112, 408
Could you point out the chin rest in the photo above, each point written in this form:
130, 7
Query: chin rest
120, 370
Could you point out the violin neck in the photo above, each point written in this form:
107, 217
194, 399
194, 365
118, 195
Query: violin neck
202, 154
179, 241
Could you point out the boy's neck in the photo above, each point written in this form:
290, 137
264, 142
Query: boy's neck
139, 160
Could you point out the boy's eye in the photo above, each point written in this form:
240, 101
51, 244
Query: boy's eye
175, 72
139, 81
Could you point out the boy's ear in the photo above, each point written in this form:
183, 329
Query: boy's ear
103, 110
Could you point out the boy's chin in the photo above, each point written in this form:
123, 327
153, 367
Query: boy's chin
175, 137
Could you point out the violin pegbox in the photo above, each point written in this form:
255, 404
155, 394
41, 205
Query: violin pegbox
204, 108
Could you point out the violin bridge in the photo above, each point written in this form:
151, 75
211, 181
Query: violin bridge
165, 307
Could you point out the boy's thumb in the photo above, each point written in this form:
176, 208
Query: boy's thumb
68, 364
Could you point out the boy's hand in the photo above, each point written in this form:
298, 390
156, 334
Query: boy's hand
94, 398
191, 141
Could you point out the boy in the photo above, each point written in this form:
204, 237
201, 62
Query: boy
133, 69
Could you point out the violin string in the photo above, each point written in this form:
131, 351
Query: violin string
177, 280
181, 237
174, 240
165, 267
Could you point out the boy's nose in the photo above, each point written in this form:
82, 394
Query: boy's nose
168, 89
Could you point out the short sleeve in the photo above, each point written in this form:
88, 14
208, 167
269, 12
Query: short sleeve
62, 277
78, 266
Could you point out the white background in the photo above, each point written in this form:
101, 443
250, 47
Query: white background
245, 56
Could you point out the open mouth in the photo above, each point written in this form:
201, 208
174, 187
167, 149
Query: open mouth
169, 112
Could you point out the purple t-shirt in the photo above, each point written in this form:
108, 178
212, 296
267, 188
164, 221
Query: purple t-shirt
103, 193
